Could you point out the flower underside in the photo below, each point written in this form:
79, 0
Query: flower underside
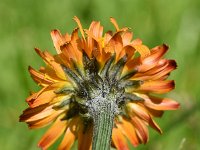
92, 83
95, 74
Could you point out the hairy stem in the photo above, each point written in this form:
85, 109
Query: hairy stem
103, 117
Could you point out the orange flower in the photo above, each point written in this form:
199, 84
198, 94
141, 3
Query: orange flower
94, 64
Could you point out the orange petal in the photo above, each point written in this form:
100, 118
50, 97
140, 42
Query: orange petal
137, 109
94, 44
37, 113
115, 45
67, 37
69, 51
143, 50
102, 59
43, 98
94, 33
157, 86
143, 113
114, 22
53, 86
96, 29
83, 45
155, 113
46, 94
63, 59
49, 59
126, 38
129, 51
136, 42
58, 40
163, 68
128, 130
39, 77
171, 65
154, 125
141, 129
52, 134
74, 36
85, 138
161, 103
50, 73
108, 35
162, 64
45, 121
80, 26
74, 43
33, 96
156, 54
119, 140
70, 135
146, 63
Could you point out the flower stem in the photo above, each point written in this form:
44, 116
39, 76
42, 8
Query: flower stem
103, 118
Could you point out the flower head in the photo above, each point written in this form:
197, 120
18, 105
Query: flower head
93, 64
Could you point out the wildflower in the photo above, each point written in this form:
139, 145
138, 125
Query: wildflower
99, 87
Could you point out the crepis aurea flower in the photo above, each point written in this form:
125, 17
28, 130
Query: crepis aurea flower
93, 69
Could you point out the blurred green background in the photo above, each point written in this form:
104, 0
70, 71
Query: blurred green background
25, 24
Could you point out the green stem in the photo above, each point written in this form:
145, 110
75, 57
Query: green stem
103, 118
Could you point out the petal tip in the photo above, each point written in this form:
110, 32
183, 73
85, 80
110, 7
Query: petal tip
29, 68
165, 46
37, 50
173, 63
